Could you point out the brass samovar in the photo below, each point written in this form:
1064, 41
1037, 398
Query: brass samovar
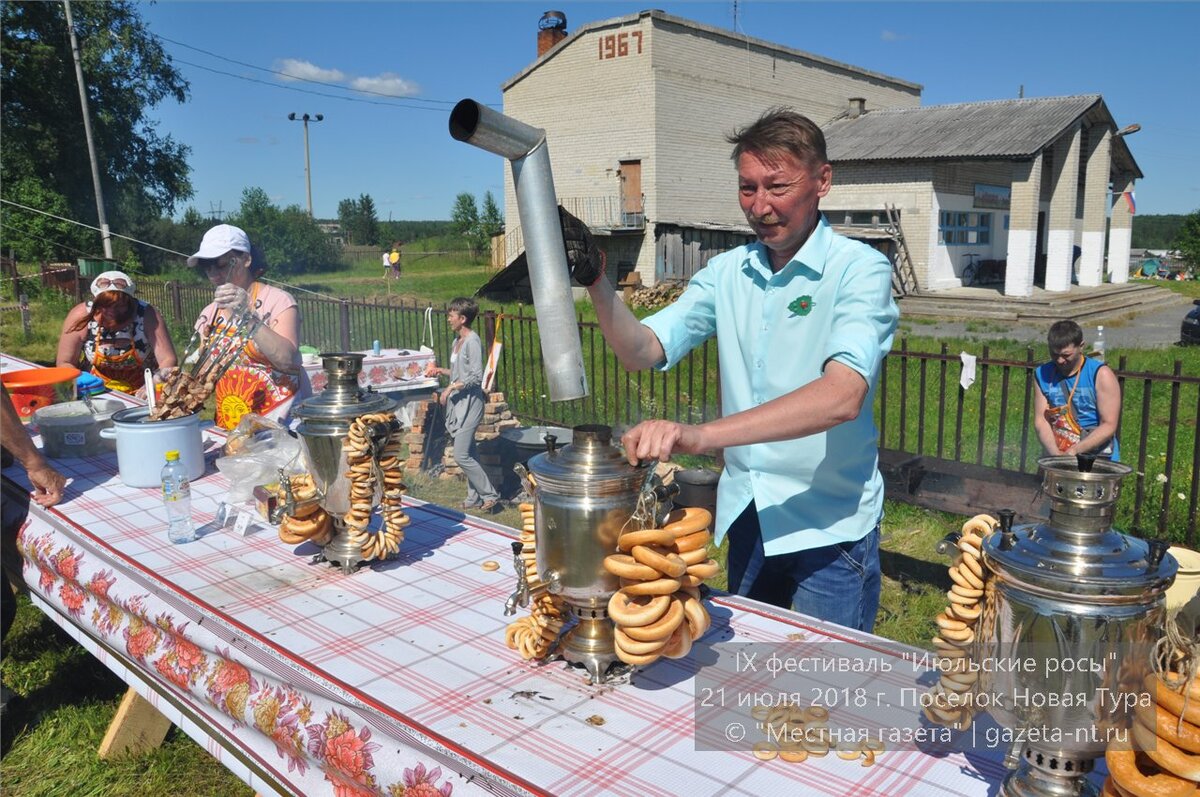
325, 421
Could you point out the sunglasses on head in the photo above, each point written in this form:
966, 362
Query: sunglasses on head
107, 283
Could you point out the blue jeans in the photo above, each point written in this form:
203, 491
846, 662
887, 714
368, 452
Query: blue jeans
837, 583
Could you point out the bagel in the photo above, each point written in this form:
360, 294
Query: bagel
948, 623
969, 546
692, 542
668, 564
964, 600
687, 520
680, 643
764, 751
634, 659
706, 569
1174, 678
630, 539
967, 592
694, 557
794, 756
698, 619
689, 580
660, 629
625, 566
1136, 775
638, 647
968, 614
962, 637
288, 537
1167, 726
629, 610
660, 587
957, 576
305, 527
1178, 762
973, 565
305, 509
1173, 701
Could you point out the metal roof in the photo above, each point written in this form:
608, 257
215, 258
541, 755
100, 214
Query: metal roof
997, 129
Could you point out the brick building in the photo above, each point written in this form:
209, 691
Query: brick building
1021, 183
636, 109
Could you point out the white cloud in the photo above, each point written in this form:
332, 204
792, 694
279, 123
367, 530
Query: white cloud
892, 36
387, 83
295, 69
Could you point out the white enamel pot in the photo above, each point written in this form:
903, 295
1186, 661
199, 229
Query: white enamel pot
142, 445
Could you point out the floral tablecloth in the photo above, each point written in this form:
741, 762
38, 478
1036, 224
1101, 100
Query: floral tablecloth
391, 369
396, 680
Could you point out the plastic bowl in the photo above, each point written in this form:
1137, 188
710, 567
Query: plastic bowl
33, 388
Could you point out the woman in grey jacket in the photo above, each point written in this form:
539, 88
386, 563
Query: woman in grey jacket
464, 400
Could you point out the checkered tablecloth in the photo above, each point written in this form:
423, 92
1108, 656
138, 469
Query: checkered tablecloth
298, 677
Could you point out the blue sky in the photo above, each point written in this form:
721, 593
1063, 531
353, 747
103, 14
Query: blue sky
1140, 56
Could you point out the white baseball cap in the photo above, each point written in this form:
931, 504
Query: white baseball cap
219, 240
110, 281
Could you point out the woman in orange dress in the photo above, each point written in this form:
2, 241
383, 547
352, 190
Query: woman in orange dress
267, 379
116, 336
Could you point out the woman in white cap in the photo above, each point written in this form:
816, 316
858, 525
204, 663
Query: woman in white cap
267, 378
116, 336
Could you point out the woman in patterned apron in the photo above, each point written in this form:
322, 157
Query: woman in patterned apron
116, 336
267, 379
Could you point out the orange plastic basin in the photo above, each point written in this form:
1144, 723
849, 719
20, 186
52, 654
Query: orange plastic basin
34, 388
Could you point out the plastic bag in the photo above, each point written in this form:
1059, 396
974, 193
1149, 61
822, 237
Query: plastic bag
255, 452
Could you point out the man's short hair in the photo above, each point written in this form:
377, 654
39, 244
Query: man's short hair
781, 131
1064, 333
465, 307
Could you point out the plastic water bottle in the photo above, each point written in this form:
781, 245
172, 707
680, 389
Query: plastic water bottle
177, 498
375, 347
1098, 350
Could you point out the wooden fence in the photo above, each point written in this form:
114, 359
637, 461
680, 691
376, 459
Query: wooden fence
920, 408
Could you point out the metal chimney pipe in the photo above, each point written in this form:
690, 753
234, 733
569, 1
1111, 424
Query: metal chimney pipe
525, 147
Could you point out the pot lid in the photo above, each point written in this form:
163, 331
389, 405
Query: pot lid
590, 463
1103, 563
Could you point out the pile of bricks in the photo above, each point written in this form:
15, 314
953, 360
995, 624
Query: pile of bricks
496, 418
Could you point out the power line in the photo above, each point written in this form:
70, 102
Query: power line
297, 77
295, 88
398, 102
90, 227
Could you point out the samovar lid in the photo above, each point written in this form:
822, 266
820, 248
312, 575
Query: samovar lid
591, 463
342, 399
1077, 552
1109, 563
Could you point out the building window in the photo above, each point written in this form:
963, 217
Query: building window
859, 218
962, 228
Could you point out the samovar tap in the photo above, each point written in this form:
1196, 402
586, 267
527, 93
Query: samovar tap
520, 596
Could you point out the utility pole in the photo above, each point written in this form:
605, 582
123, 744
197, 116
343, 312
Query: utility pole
87, 132
307, 173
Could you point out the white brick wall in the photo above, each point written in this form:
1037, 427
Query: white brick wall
670, 107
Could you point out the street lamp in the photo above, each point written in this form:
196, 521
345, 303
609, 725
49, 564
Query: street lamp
1127, 130
307, 174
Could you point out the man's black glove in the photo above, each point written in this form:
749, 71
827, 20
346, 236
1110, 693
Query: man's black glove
585, 261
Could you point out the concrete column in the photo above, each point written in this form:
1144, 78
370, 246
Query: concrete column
1022, 227
1064, 190
1095, 205
1120, 230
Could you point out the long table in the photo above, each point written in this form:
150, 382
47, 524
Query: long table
302, 680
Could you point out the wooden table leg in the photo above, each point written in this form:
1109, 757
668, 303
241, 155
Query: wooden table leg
136, 727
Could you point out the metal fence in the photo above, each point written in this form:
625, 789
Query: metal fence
920, 407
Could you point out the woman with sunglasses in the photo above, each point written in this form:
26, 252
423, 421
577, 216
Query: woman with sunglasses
267, 379
116, 336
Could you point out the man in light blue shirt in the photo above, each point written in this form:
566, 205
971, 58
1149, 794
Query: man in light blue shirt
803, 319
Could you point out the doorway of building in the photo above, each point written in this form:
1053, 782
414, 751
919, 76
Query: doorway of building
633, 214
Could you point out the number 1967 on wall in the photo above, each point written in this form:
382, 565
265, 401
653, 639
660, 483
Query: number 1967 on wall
616, 45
